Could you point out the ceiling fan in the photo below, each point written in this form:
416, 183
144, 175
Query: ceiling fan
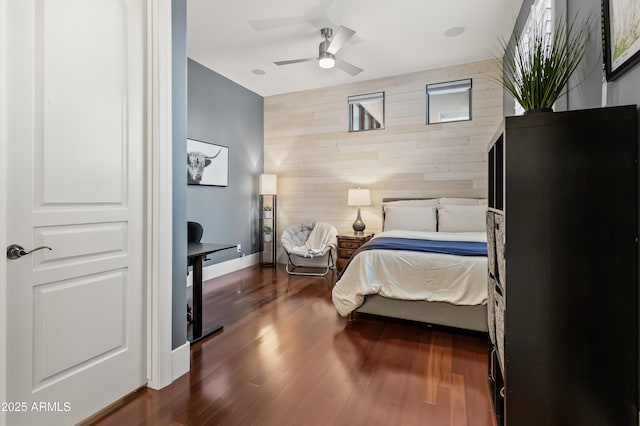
328, 49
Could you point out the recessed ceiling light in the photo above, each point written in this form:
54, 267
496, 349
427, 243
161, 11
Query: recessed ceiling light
454, 31
259, 72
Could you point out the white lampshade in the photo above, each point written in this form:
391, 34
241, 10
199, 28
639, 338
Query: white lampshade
268, 184
359, 197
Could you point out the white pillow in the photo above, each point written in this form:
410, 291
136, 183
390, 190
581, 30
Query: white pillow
410, 218
412, 203
460, 218
463, 201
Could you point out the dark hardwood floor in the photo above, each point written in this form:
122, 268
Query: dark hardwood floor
285, 357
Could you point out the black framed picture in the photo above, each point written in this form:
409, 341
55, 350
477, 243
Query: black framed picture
621, 28
207, 163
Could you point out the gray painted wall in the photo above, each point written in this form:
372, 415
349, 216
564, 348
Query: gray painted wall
624, 90
586, 81
179, 138
222, 112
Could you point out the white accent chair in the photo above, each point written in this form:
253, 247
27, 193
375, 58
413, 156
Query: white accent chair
301, 262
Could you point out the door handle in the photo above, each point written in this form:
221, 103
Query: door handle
15, 251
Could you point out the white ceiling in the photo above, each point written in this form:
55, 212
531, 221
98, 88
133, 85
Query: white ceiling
234, 37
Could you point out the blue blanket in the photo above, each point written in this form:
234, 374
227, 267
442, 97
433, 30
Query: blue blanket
460, 248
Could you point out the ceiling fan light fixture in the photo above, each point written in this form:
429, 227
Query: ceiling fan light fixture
326, 60
327, 50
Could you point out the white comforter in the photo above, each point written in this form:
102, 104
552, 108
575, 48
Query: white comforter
409, 275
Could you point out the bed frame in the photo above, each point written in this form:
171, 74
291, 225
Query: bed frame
469, 317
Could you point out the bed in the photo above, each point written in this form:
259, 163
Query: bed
441, 278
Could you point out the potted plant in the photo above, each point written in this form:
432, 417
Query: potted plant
267, 232
267, 211
536, 68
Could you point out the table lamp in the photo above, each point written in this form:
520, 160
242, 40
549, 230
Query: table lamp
359, 197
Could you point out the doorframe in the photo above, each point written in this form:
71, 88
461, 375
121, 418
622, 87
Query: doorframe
159, 195
3, 202
158, 207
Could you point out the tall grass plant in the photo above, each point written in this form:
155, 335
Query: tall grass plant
537, 67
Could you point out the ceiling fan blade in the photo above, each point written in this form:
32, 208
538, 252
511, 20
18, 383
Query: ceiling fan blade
294, 61
339, 39
347, 67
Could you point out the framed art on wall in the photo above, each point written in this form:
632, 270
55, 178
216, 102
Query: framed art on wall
621, 28
207, 164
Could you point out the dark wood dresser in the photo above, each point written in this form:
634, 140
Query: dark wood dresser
347, 244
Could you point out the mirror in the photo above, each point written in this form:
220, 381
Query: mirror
366, 112
450, 101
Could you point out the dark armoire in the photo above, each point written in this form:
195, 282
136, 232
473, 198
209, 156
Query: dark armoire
563, 268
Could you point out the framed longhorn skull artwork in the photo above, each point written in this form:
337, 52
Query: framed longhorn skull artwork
207, 164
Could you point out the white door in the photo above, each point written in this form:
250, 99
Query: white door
75, 133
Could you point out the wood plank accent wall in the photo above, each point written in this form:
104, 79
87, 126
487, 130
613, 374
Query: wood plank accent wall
306, 143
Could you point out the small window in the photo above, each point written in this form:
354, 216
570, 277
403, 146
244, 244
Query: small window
366, 112
450, 101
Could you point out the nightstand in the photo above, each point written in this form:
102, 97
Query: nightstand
347, 244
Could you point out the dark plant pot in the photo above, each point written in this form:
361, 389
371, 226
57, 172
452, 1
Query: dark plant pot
538, 110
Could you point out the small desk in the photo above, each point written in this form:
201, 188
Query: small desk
196, 252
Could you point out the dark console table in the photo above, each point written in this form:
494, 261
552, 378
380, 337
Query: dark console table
196, 253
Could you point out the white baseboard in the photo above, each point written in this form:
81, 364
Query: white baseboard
223, 268
180, 361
